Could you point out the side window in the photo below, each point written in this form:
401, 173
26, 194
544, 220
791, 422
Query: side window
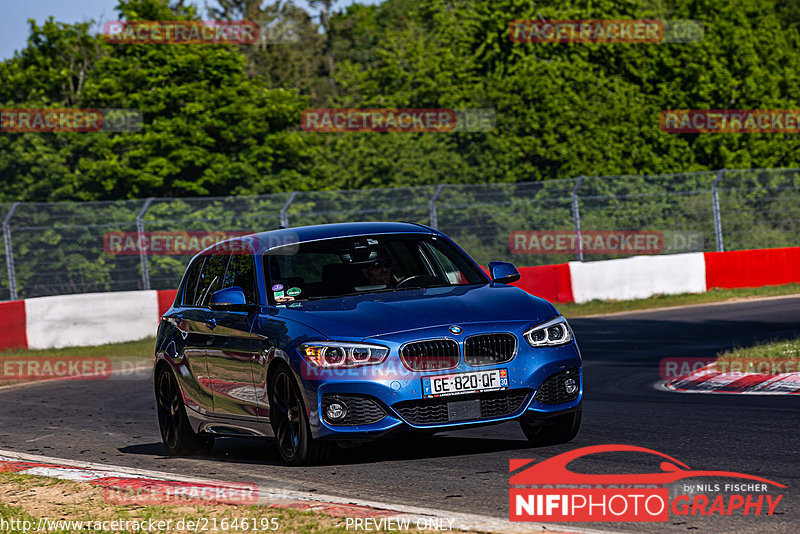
453, 273
210, 278
241, 273
410, 261
189, 290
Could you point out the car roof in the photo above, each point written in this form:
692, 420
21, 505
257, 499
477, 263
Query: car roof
273, 238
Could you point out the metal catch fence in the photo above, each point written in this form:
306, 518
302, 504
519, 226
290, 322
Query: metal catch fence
78, 247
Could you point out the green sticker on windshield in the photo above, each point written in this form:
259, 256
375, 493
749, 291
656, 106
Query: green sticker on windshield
293, 291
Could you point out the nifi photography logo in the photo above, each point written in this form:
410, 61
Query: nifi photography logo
548, 491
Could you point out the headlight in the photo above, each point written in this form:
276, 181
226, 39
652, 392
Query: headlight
549, 334
332, 354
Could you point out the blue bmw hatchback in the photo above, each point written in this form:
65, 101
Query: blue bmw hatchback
352, 332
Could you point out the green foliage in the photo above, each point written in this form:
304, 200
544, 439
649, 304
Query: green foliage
209, 129
224, 119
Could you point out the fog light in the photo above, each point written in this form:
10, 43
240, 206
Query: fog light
336, 411
570, 386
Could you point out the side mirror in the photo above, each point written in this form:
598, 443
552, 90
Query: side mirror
231, 299
503, 272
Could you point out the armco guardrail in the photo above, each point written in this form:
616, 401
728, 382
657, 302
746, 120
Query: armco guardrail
83, 247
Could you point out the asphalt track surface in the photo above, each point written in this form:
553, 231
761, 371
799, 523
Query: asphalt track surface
114, 422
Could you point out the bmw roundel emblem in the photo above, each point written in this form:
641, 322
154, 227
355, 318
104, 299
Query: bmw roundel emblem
455, 330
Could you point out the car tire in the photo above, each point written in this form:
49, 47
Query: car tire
289, 421
560, 429
176, 431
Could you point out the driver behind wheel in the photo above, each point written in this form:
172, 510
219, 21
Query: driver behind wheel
378, 272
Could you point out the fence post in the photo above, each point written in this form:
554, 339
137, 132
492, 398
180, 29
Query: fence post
12, 276
576, 216
717, 218
139, 236
432, 214
285, 210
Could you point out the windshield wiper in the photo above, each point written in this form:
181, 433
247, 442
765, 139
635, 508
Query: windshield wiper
357, 293
425, 287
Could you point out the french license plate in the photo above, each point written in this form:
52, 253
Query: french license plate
460, 383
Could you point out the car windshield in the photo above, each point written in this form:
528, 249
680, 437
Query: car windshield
339, 267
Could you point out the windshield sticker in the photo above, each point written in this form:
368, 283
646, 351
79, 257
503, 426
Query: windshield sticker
277, 287
293, 292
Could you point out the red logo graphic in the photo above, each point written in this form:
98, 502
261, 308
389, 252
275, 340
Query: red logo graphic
603, 503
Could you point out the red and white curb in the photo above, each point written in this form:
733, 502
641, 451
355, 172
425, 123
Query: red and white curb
381, 515
709, 380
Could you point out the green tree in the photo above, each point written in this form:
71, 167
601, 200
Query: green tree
209, 129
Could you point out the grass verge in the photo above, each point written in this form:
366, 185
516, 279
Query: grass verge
771, 358
597, 307
131, 359
32, 498
143, 348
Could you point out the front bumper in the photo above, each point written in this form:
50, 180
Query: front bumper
394, 395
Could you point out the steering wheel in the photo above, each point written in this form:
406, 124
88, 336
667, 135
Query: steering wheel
409, 278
